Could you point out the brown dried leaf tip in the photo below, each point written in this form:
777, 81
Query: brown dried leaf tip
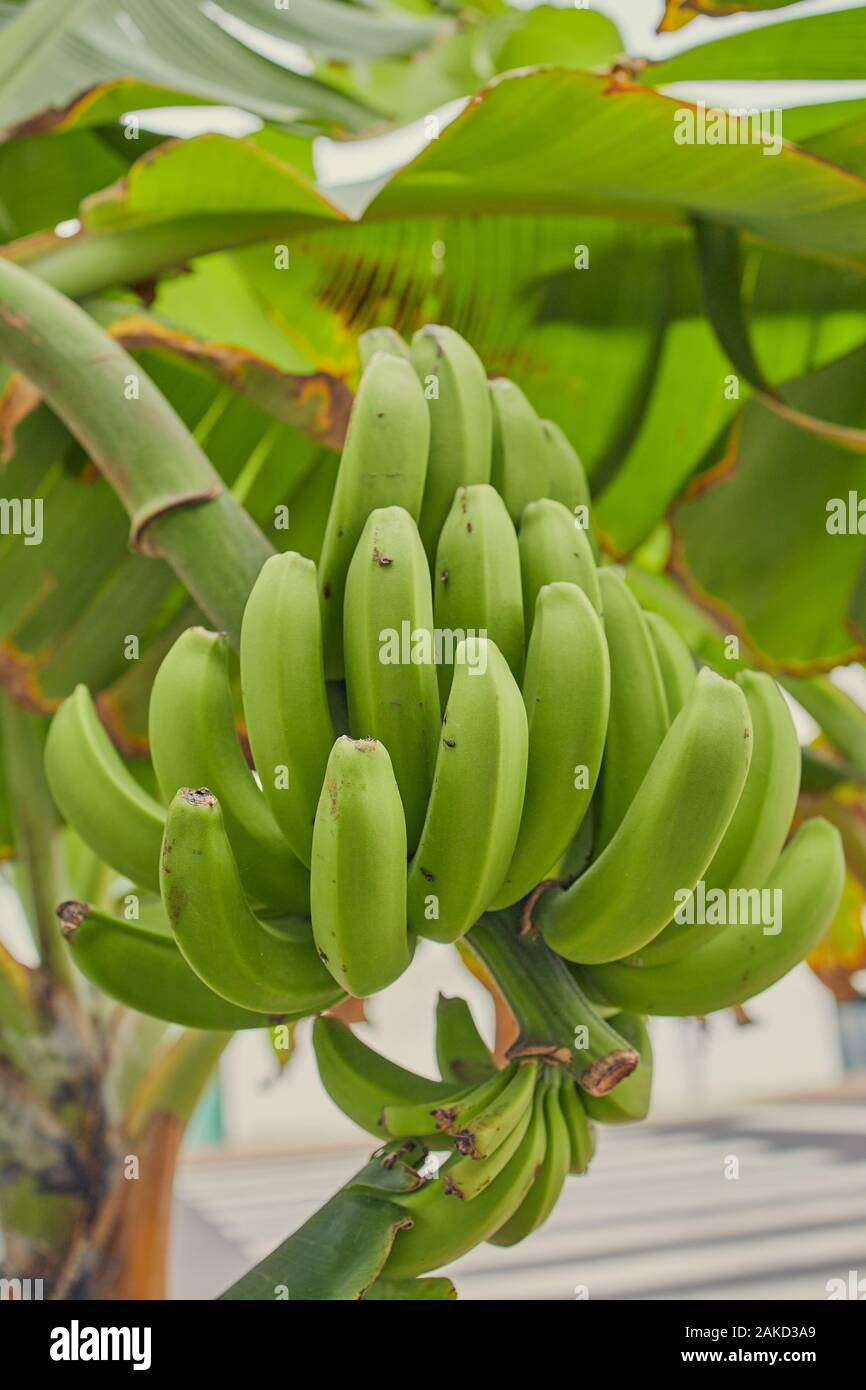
71, 915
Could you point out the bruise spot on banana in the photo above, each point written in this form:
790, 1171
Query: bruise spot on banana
443, 1116
425, 873
465, 1142
331, 789
175, 902
71, 915
383, 561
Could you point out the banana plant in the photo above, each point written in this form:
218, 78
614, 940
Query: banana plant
260, 904
241, 413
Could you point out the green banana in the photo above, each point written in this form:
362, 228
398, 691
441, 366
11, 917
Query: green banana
461, 423
98, 796
467, 1178
461, 1052
566, 692
389, 655
477, 578
520, 469
381, 339
194, 743
668, 835
284, 696
677, 668
479, 1135
442, 1230
554, 548
384, 463
449, 1115
743, 961
630, 1100
545, 1191
478, 1122
568, 482
581, 1130
475, 806
358, 887
144, 970
638, 706
272, 967
753, 841
361, 1082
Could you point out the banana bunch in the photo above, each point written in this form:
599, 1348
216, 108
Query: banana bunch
457, 710
507, 1140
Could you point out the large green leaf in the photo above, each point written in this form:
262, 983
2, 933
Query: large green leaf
751, 542
805, 46
506, 153
185, 48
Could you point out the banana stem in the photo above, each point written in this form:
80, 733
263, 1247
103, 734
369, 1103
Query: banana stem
554, 1016
178, 505
35, 830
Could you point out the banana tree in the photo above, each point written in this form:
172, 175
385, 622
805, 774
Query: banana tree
254, 345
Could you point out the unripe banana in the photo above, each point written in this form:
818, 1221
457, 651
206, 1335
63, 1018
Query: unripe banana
553, 548
361, 1082
467, 1177
358, 887
520, 469
452, 1115
475, 806
545, 1191
389, 655
568, 483
581, 1130
743, 960
478, 1122
381, 339
668, 835
143, 969
461, 1052
461, 423
273, 966
99, 796
384, 462
285, 702
566, 692
630, 1100
677, 668
443, 1229
753, 841
638, 706
477, 585
194, 743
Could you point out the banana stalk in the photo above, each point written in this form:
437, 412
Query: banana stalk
554, 1017
178, 506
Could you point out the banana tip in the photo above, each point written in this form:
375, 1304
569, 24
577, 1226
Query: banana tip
608, 1071
198, 796
71, 915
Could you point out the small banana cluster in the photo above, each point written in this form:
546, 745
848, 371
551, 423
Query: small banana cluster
508, 1136
510, 727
